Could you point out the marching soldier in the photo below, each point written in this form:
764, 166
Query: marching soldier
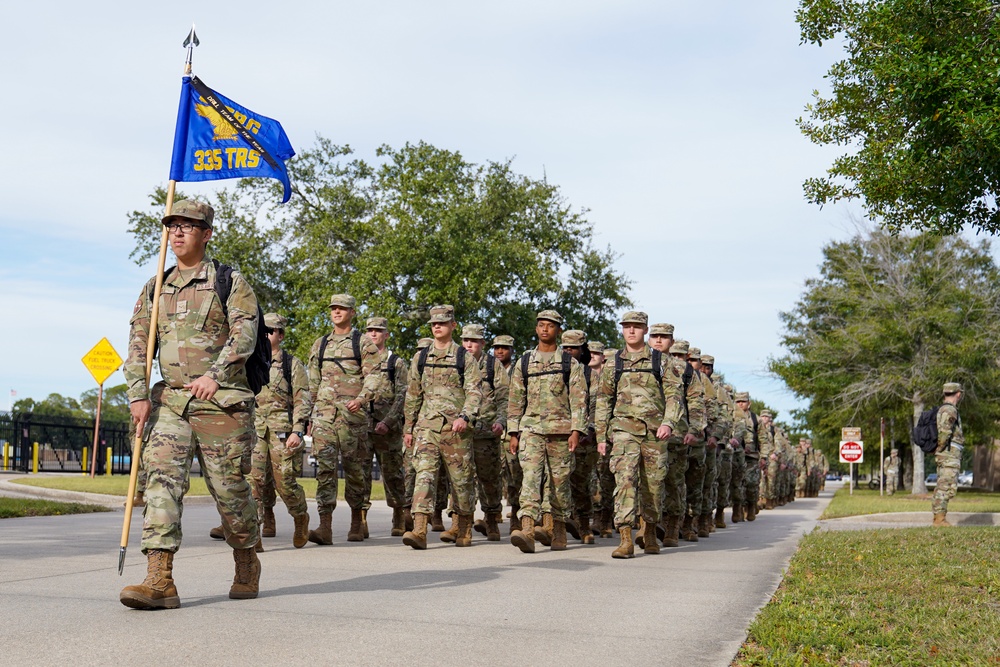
686, 460
604, 511
718, 426
751, 452
890, 471
585, 457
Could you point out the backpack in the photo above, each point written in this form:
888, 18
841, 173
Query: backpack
286, 372
567, 366
491, 370
258, 365
459, 363
925, 433
656, 370
756, 439
355, 350
390, 367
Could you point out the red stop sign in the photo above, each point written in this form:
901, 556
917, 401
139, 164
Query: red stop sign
851, 452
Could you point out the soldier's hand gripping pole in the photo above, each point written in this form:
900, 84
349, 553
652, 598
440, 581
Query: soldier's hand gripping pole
150, 351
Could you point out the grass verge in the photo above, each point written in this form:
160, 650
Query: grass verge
117, 485
12, 508
918, 596
865, 501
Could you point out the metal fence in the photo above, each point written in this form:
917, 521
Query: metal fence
61, 443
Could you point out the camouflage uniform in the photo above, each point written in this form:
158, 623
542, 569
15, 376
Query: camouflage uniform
196, 337
486, 455
629, 419
543, 414
388, 410
763, 443
334, 381
280, 410
951, 442
743, 433
890, 471
409, 474
585, 455
770, 456
511, 471
434, 400
724, 480
686, 463
717, 428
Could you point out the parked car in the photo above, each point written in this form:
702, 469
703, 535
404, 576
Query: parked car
833, 476
965, 479
931, 479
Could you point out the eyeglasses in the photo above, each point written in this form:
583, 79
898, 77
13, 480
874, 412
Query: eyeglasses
184, 227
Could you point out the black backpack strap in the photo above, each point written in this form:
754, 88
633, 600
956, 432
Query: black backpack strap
460, 365
390, 367
567, 366
587, 370
322, 350
223, 284
286, 372
356, 345
657, 358
491, 363
422, 360
525, 359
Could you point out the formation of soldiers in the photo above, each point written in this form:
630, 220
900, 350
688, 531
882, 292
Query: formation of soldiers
581, 440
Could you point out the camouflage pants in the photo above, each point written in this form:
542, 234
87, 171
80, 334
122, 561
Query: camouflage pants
674, 501
224, 436
890, 483
273, 461
640, 466
452, 453
584, 460
540, 454
605, 483
736, 480
724, 480
409, 475
751, 487
708, 484
694, 477
801, 480
388, 450
949, 462
515, 477
769, 480
348, 443
486, 460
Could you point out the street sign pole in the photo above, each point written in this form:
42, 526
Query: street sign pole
881, 459
97, 430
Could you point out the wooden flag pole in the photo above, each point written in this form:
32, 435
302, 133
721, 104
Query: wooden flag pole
97, 429
150, 351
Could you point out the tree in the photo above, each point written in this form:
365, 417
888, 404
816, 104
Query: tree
889, 320
114, 406
423, 226
917, 100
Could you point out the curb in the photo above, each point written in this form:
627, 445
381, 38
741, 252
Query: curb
907, 520
11, 489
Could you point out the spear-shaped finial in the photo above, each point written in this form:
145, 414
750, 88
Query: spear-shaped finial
190, 42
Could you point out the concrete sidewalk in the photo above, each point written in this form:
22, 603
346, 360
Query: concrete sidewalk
907, 520
380, 602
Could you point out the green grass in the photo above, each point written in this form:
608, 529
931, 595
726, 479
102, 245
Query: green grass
865, 501
11, 508
117, 485
918, 596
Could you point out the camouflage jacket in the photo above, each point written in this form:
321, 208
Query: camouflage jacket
388, 407
765, 436
438, 397
343, 379
494, 408
547, 405
754, 439
694, 400
277, 401
719, 423
196, 337
737, 427
949, 426
639, 406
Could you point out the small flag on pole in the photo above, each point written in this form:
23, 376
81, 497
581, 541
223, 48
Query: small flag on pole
217, 139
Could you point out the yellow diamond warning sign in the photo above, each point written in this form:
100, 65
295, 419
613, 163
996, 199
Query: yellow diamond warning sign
102, 361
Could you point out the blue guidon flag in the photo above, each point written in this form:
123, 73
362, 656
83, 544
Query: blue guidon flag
217, 138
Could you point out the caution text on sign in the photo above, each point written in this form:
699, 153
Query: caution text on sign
102, 361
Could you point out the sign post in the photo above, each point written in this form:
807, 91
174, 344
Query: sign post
851, 452
881, 458
101, 361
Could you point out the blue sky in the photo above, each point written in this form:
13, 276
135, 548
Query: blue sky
672, 122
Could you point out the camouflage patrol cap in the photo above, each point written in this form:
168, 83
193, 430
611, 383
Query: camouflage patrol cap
442, 313
893, 451
742, 396
192, 210
474, 332
424, 342
635, 317
661, 329
610, 352
343, 300
952, 388
728, 387
596, 347
551, 316
377, 323
275, 321
694, 353
707, 360
574, 338
503, 341
679, 347
766, 413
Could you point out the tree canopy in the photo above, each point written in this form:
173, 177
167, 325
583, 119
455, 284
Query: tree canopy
890, 319
420, 227
916, 102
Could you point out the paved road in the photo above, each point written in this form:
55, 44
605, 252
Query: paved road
380, 602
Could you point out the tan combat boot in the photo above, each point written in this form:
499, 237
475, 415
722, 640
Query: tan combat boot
608, 525
398, 523
259, 547
269, 528
407, 519
558, 536
139, 499
640, 534
247, 580
464, 536
572, 527
940, 520
543, 533
625, 549
586, 535
720, 517
737, 512
688, 529
157, 591
750, 511
670, 531
437, 523
301, 534
417, 538
451, 534
651, 546
480, 526
364, 524
524, 539
704, 521
323, 534
217, 533
493, 526
355, 533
